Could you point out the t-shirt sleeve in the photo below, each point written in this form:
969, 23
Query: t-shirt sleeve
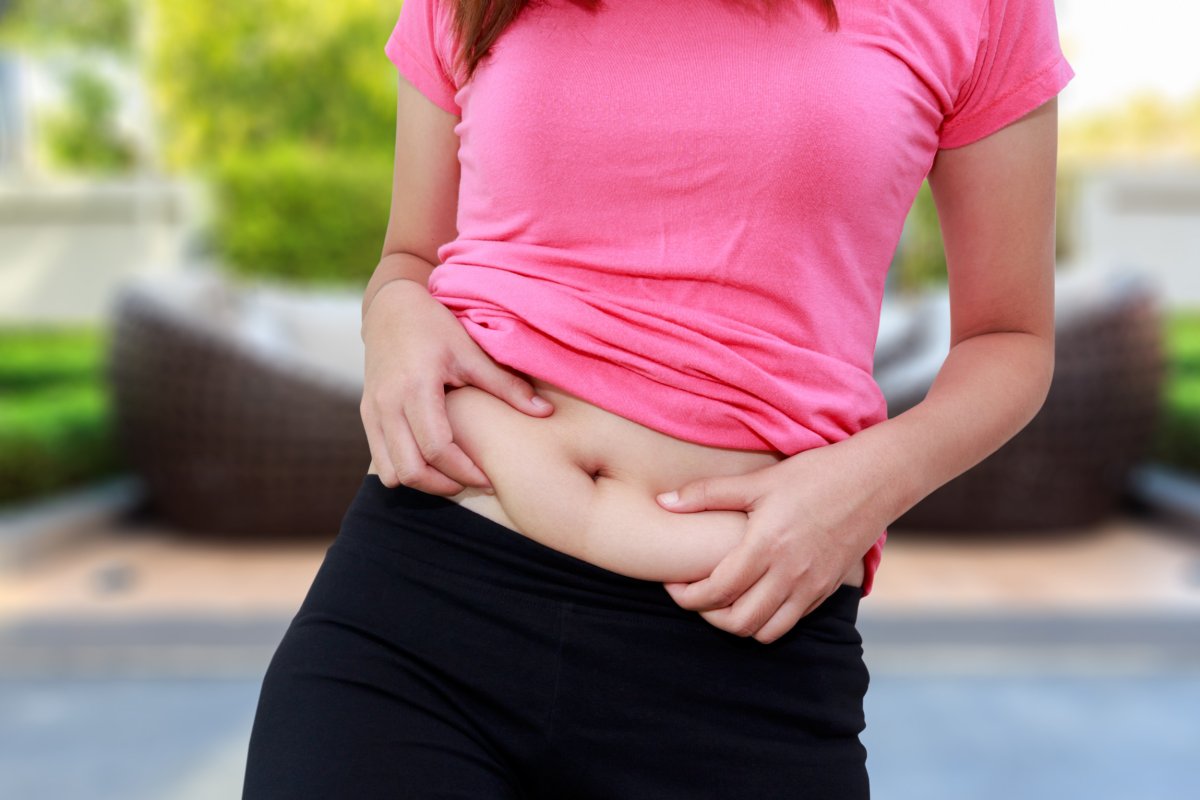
1019, 65
421, 47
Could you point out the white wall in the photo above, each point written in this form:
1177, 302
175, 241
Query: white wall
1145, 218
66, 247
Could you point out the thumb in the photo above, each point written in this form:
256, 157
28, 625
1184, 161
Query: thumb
705, 494
510, 388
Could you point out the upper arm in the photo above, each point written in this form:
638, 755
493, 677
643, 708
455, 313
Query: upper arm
423, 49
993, 176
425, 177
995, 200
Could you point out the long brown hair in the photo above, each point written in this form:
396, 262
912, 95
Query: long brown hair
478, 23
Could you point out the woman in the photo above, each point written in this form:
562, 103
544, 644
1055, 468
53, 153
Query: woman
671, 221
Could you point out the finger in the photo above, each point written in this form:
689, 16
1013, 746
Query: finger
733, 493
732, 576
375, 441
509, 387
750, 612
430, 426
410, 466
785, 617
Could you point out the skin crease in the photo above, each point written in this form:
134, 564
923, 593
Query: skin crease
756, 540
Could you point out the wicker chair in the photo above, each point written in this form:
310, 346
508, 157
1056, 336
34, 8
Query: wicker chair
1069, 466
239, 408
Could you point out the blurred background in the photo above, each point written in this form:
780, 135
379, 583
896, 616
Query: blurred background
192, 198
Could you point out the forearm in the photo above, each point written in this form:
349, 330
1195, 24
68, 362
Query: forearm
393, 267
989, 387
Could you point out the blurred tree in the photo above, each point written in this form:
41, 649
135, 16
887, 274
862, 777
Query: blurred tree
920, 259
297, 214
231, 78
83, 135
39, 24
288, 108
1147, 126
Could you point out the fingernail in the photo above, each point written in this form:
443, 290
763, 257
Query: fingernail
669, 498
540, 403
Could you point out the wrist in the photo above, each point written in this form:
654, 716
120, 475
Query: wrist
881, 460
388, 293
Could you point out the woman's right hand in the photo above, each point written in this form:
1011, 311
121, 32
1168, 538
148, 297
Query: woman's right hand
415, 347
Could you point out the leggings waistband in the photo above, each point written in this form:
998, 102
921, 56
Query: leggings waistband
437, 530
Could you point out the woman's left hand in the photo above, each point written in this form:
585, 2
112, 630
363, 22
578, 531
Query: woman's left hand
811, 517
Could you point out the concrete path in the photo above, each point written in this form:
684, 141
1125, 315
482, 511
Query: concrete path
1061, 665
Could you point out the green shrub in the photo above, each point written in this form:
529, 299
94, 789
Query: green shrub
51, 24
34, 357
1183, 343
231, 79
302, 215
920, 259
288, 109
1177, 440
56, 426
83, 136
55, 438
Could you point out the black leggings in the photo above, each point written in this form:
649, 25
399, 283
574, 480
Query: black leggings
440, 654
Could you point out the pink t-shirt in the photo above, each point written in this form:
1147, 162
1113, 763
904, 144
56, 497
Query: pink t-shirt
684, 212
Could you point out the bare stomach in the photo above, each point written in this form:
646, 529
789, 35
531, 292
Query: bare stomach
583, 481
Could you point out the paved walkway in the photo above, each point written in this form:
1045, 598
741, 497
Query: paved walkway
121, 571
1002, 666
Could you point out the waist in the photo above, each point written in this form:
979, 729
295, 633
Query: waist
583, 481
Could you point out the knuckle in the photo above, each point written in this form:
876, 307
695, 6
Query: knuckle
776, 540
401, 394
435, 449
513, 384
765, 638
724, 597
742, 628
407, 474
690, 605
457, 371
381, 398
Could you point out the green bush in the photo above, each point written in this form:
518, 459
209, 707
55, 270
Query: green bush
83, 136
1178, 437
1183, 343
920, 259
230, 79
51, 24
35, 357
288, 108
1177, 440
56, 426
302, 215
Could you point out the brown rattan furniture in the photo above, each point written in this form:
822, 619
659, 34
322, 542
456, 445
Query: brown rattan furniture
239, 407
1069, 466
